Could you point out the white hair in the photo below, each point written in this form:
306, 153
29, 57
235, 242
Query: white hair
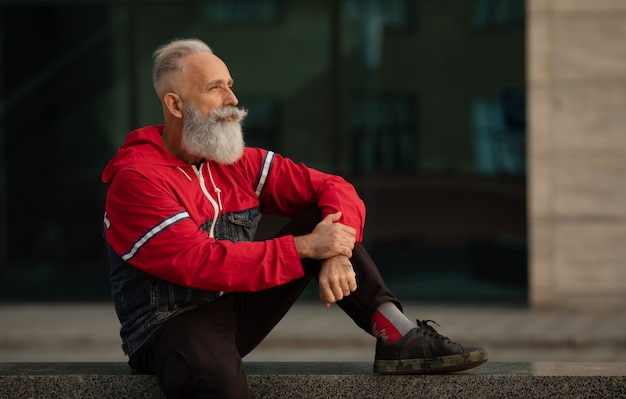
166, 58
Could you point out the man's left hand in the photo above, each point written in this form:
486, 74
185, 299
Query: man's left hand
336, 279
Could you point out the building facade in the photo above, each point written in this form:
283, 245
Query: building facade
577, 153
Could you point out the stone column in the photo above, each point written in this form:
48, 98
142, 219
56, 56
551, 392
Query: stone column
576, 79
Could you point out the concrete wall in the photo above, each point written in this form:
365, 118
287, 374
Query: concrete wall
577, 154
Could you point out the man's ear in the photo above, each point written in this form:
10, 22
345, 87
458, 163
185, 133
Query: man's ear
174, 104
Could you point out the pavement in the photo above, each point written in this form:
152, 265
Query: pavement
88, 332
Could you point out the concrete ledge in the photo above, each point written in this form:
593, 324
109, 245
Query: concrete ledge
327, 380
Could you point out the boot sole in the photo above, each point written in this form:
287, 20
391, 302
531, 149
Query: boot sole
433, 365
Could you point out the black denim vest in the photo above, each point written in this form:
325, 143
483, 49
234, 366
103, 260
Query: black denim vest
144, 302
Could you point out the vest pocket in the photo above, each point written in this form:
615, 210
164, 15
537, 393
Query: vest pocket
236, 226
243, 225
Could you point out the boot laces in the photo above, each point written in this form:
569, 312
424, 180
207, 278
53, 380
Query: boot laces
430, 330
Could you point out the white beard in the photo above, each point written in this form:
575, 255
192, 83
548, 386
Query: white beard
212, 137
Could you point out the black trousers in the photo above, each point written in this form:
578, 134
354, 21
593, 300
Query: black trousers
198, 353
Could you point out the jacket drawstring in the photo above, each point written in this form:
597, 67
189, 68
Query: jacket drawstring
216, 207
215, 188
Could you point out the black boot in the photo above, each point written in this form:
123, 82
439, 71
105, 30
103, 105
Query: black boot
424, 351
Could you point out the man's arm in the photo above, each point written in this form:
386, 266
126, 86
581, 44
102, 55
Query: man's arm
333, 243
149, 229
291, 188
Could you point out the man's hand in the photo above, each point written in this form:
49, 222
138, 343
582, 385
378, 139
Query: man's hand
327, 239
336, 279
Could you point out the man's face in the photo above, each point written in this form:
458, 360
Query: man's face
217, 136
211, 120
206, 82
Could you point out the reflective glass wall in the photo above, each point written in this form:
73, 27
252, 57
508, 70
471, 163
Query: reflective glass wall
419, 103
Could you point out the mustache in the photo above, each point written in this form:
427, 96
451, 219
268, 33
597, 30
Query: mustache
237, 114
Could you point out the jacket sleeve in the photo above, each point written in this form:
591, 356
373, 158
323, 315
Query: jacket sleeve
146, 226
289, 188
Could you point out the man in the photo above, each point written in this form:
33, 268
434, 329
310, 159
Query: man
193, 291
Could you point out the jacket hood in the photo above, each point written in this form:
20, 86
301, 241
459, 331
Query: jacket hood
142, 146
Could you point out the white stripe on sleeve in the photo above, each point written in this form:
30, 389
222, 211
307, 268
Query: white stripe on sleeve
265, 171
154, 231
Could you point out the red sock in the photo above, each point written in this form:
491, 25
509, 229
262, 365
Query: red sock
383, 328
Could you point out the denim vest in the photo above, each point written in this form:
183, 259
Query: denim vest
144, 302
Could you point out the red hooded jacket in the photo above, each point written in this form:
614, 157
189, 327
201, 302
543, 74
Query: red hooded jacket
156, 204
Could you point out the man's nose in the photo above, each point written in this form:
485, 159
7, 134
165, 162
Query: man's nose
230, 98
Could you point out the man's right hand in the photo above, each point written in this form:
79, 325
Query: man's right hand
327, 239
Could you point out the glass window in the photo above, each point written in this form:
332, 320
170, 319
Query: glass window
419, 103
384, 129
